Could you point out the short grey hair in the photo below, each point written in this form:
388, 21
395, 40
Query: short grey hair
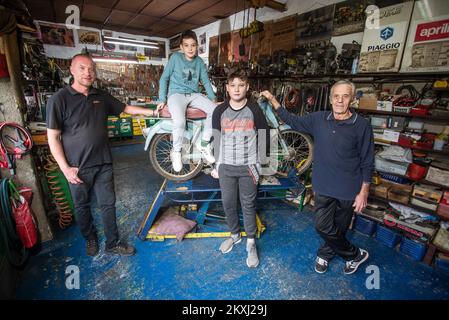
345, 82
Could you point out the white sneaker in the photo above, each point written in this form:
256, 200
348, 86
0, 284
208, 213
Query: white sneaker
207, 154
176, 160
252, 260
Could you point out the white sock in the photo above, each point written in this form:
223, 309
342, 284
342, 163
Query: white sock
250, 242
235, 236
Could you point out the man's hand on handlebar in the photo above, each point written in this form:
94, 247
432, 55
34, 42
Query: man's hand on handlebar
271, 99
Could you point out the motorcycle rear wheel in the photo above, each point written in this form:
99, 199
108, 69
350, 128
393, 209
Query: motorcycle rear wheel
160, 149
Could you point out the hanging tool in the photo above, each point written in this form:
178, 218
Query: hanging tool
21, 144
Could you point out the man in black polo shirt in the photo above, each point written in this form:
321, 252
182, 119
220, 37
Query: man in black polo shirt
343, 162
78, 139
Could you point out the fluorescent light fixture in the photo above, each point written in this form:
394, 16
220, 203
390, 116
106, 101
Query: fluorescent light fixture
114, 60
129, 40
131, 44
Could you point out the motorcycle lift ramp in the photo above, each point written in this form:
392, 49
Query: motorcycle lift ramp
199, 193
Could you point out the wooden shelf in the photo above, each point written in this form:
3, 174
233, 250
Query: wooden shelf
400, 114
375, 76
385, 200
411, 147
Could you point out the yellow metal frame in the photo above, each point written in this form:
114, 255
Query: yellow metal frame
195, 235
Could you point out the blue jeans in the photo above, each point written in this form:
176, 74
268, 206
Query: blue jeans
98, 180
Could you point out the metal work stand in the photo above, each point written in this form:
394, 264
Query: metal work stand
199, 193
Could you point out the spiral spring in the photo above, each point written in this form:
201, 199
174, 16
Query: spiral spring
62, 204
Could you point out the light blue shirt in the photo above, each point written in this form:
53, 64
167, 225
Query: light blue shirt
183, 76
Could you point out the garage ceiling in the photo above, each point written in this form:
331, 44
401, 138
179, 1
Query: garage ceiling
157, 18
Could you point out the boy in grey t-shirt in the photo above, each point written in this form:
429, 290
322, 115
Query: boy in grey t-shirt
241, 142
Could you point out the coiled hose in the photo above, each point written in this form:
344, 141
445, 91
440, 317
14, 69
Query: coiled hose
15, 252
61, 196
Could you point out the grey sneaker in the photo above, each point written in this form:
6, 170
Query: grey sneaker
252, 260
227, 245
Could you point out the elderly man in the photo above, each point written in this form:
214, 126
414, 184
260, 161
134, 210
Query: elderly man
342, 170
78, 139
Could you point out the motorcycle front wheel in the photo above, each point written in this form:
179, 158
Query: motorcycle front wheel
160, 149
299, 155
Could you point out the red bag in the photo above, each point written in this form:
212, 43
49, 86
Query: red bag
25, 223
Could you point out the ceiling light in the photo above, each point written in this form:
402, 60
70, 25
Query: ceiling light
114, 60
130, 40
132, 44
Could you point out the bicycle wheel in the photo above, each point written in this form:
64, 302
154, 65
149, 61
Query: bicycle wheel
160, 148
299, 155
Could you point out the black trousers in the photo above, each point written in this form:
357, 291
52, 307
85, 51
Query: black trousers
98, 180
333, 218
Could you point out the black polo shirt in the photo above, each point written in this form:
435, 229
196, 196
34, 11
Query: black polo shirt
83, 124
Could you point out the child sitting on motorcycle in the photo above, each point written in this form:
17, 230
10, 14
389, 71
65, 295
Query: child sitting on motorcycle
182, 75
241, 139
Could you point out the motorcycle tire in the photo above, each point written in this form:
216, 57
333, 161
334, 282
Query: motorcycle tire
160, 148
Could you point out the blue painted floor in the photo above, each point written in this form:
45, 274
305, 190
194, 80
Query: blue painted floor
195, 269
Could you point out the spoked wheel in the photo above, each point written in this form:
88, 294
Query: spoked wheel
160, 149
299, 155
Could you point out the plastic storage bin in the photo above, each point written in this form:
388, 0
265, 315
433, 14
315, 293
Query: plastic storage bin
442, 264
387, 236
414, 249
365, 226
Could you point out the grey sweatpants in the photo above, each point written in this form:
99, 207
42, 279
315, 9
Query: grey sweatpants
238, 181
177, 105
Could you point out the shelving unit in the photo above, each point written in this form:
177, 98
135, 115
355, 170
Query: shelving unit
421, 209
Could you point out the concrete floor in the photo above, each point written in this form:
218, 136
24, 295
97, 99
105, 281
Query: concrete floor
195, 269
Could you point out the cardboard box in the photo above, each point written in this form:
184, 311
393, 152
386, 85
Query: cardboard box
367, 103
438, 176
430, 193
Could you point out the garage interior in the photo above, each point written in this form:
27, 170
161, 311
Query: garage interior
295, 49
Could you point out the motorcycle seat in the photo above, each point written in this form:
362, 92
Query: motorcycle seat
192, 113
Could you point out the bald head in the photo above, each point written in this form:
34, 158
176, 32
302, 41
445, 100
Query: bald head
82, 68
80, 57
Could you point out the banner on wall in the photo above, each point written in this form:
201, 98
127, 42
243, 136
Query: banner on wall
314, 27
55, 34
89, 37
202, 44
213, 51
284, 33
382, 47
350, 17
174, 43
225, 53
427, 47
240, 47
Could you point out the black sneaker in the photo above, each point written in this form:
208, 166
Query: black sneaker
122, 249
351, 266
321, 265
92, 248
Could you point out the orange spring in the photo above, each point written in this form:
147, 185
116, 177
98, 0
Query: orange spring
65, 212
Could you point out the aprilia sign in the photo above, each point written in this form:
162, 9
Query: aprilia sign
432, 30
